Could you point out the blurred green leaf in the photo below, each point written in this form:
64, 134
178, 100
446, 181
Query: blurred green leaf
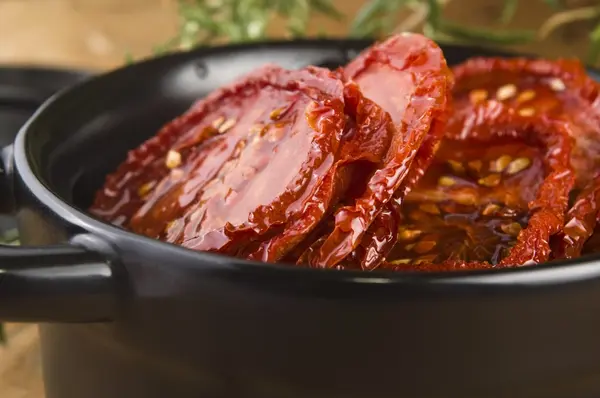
508, 11
556, 4
485, 36
327, 8
366, 17
285, 8
204, 22
9, 236
298, 18
594, 50
434, 14
566, 17
129, 58
376, 18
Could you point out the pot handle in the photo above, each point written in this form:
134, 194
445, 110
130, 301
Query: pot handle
63, 283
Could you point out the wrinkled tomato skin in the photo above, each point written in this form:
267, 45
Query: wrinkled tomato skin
581, 221
559, 90
416, 94
362, 148
491, 122
542, 92
256, 188
253, 156
382, 235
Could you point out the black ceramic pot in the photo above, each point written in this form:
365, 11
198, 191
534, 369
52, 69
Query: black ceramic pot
124, 316
22, 91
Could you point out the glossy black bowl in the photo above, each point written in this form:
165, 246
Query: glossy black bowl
124, 316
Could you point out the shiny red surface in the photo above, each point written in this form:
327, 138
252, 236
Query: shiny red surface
391, 162
503, 212
562, 91
408, 77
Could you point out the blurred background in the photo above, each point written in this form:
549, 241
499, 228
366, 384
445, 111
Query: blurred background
99, 33
104, 34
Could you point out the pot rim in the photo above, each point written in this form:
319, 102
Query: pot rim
545, 274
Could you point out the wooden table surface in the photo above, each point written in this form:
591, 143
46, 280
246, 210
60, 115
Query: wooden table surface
20, 371
96, 34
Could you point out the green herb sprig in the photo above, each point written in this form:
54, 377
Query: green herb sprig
209, 22
205, 22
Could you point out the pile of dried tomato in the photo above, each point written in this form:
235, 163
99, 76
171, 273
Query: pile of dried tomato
391, 162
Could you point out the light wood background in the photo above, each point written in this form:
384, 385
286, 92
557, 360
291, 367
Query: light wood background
96, 34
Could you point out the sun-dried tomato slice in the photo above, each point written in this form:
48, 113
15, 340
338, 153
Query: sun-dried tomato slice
369, 133
244, 162
496, 192
581, 221
535, 87
382, 235
408, 77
